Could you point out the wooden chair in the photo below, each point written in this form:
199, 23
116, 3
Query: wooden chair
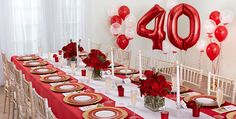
146, 62
191, 75
228, 86
28, 99
165, 67
40, 106
7, 84
50, 114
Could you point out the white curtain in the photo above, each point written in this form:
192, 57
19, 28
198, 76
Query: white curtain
27, 25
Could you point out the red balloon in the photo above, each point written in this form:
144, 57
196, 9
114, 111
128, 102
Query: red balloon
157, 35
215, 16
221, 33
122, 41
195, 26
212, 50
116, 19
123, 11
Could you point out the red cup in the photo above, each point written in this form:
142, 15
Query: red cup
164, 115
54, 55
120, 91
56, 59
196, 112
83, 72
59, 52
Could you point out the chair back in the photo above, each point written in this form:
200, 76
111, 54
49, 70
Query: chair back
40, 106
165, 67
50, 114
123, 57
145, 62
28, 98
227, 85
191, 75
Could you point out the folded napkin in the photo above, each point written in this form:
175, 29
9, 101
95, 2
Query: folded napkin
65, 94
85, 108
225, 109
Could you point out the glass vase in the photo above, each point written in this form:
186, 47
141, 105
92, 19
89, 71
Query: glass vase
154, 103
96, 74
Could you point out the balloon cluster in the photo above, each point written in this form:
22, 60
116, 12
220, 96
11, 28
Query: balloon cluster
215, 26
118, 16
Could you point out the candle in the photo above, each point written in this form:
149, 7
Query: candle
140, 64
178, 85
89, 47
112, 63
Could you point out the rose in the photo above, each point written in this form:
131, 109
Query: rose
148, 73
81, 49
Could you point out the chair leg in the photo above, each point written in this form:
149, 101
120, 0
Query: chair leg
9, 106
13, 110
5, 101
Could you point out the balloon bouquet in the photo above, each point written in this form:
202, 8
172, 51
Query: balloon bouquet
118, 16
215, 26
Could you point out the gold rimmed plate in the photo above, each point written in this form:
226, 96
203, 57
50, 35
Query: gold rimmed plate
27, 58
34, 63
43, 71
204, 100
105, 113
124, 71
231, 115
67, 87
82, 99
55, 78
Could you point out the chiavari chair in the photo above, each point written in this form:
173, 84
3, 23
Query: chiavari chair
164, 67
227, 85
191, 75
28, 99
123, 57
40, 106
146, 62
50, 114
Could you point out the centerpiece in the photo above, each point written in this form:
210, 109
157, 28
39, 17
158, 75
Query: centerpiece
154, 88
70, 51
97, 61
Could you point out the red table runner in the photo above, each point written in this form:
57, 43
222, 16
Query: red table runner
55, 100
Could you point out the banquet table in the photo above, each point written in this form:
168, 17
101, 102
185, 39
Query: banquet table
65, 111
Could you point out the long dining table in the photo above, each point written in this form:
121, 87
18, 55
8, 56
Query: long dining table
66, 111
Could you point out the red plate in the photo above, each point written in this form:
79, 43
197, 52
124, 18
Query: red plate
27, 58
122, 71
116, 113
91, 98
34, 63
55, 78
43, 71
67, 87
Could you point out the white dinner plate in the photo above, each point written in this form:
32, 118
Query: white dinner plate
105, 113
126, 71
82, 98
34, 63
43, 70
207, 101
54, 77
66, 87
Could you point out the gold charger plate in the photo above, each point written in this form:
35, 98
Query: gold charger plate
44, 72
76, 87
61, 78
195, 97
94, 98
231, 115
27, 58
35, 63
118, 113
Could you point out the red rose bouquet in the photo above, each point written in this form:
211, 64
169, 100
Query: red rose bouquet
69, 51
97, 60
154, 85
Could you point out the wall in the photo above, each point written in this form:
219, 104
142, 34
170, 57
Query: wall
99, 30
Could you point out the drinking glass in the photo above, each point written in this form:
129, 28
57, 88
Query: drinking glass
133, 96
73, 66
174, 85
108, 85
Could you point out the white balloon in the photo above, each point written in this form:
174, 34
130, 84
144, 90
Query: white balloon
201, 45
112, 10
130, 33
226, 16
115, 28
209, 26
130, 21
171, 3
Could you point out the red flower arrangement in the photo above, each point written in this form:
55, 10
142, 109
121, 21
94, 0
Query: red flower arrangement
154, 85
69, 50
97, 60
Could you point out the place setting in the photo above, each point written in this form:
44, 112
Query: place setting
67, 87
35, 63
43, 70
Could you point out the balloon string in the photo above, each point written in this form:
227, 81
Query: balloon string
199, 61
218, 60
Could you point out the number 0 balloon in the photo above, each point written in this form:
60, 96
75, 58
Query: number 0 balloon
194, 34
